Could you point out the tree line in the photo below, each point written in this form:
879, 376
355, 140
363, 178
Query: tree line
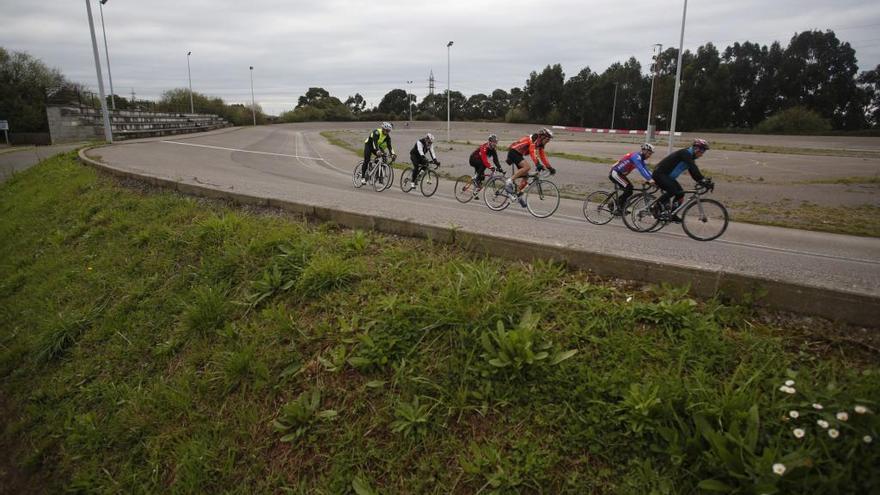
814, 80
741, 87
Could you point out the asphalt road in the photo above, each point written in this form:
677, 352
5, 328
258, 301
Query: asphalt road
294, 162
15, 160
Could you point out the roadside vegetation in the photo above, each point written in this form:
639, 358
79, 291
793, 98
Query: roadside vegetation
155, 343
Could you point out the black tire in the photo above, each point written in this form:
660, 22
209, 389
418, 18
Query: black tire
599, 207
356, 175
389, 172
406, 184
704, 219
495, 196
637, 215
464, 191
381, 178
542, 198
428, 183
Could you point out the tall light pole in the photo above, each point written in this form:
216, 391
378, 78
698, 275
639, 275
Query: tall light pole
677, 79
650, 127
253, 101
189, 76
448, 94
408, 100
107, 54
108, 133
614, 105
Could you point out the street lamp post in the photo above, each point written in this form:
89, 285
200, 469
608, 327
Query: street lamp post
189, 76
448, 94
107, 54
408, 98
677, 79
650, 129
253, 101
614, 105
108, 133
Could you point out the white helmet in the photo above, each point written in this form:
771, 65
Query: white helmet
648, 147
387, 126
429, 137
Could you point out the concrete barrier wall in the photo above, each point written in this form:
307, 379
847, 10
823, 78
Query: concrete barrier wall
848, 307
71, 123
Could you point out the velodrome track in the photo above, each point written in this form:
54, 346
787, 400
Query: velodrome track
295, 163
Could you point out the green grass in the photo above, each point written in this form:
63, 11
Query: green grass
155, 343
849, 181
860, 220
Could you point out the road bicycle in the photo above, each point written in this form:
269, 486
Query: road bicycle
702, 219
467, 187
379, 173
427, 179
601, 206
541, 195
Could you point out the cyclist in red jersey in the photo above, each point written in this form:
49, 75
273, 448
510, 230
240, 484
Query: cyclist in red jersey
516, 156
479, 160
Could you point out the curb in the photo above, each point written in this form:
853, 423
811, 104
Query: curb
848, 307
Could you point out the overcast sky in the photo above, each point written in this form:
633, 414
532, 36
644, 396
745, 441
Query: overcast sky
374, 46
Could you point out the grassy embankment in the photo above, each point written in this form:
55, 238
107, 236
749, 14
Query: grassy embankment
153, 343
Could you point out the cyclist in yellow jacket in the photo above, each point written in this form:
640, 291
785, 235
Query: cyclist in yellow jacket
378, 141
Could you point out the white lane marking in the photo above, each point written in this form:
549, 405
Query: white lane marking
243, 151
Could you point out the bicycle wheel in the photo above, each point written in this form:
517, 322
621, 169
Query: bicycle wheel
599, 207
381, 178
704, 219
429, 183
637, 214
389, 173
406, 184
495, 196
464, 189
542, 198
356, 175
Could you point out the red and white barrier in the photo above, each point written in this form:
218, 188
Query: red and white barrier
591, 130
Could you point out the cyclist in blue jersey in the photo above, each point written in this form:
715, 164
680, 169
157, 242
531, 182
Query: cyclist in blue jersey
629, 162
672, 166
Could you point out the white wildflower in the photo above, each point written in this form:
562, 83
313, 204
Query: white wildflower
822, 423
817, 407
861, 409
787, 389
842, 416
789, 383
799, 432
794, 414
779, 468
629, 298
833, 433
867, 439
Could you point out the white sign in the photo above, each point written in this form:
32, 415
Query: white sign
4, 125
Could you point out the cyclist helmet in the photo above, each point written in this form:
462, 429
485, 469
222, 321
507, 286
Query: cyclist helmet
429, 137
493, 138
648, 147
387, 126
701, 144
546, 132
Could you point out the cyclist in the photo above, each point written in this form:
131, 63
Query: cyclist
516, 156
480, 161
418, 155
629, 162
671, 167
376, 143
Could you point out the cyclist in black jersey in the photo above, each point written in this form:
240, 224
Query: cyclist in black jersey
672, 166
418, 155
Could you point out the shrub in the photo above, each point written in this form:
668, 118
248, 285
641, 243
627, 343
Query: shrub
795, 120
516, 115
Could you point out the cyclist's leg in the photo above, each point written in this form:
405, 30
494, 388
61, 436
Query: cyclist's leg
418, 162
622, 182
368, 151
667, 184
479, 172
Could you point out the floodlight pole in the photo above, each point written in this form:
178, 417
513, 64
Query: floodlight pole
448, 94
108, 133
107, 55
650, 128
677, 79
189, 76
253, 100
